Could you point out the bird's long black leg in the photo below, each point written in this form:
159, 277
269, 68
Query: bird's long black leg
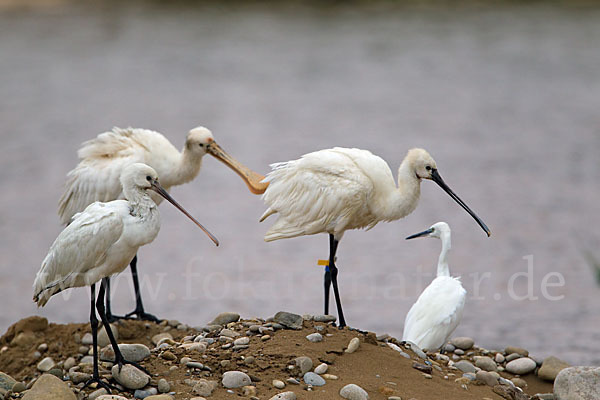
94, 326
327, 276
139, 306
119, 359
333, 244
109, 314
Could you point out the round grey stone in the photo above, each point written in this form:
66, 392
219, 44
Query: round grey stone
46, 364
163, 386
353, 392
304, 363
130, 377
289, 320
225, 318
235, 379
577, 383
278, 384
310, 378
487, 378
131, 352
284, 396
465, 366
314, 337
241, 341
485, 363
521, 366
324, 318
464, 343
321, 368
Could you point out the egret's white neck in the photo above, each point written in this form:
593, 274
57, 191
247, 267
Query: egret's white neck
443, 269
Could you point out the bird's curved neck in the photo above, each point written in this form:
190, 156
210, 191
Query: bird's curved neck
405, 197
187, 169
443, 269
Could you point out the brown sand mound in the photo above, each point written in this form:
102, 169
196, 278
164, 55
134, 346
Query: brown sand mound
377, 368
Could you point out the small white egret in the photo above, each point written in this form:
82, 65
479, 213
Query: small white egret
96, 177
333, 190
438, 310
101, 241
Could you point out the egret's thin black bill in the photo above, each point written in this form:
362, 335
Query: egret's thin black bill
159, 189
420, 234
435, 176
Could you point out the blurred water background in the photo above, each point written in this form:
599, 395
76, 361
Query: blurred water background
506, 97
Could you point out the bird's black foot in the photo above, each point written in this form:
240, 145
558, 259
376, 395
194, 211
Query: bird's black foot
142, 316
100, 383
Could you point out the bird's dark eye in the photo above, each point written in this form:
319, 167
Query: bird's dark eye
201, 145
148, 178
428, 168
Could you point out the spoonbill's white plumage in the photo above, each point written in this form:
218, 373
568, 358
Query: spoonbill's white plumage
96, 177
333, 190
102, 240
438, 310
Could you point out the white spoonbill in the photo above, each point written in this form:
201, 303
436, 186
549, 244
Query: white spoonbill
333, 190
96, 177
100, 242
438, 310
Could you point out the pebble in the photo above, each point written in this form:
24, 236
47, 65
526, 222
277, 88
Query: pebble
160, 336
78, 377
449, 347
6, 381
167, 355
521, 366
578, 383
465, 366
487, 378
241, 341
18, 387
289, 320
321, 368
97, 394
160, 397
83, 349
284, 396
142, 394
551, 367
109, 397
464, 343
195, 364
46, 364
43, 347
131, 352
163, 386
265, 337
103, 339
225, 318
417, 350
353, 345
330, 377
310, 378
394, 398
130, 377
69, 363
324, 318
49, 387
383, 337
278, 384
353, 392
292, 381
87, 339
87, 360
249, 391
422, 367
460, 352
512, 356
228, 333
235, 379
304, 363
518, 350
520, 383
485, 363
314, 337
499, 358
204, 387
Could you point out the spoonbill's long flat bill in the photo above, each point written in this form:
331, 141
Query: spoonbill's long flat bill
438, 310
96, 177
101, 241
333, 190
